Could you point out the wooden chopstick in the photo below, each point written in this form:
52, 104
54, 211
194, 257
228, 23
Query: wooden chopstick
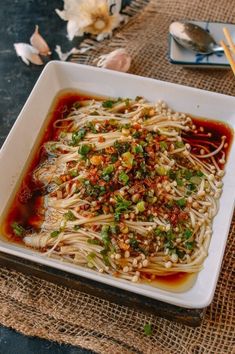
229, 39
228, 56
227, 51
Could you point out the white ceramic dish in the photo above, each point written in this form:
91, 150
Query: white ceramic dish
16, 151
181, 56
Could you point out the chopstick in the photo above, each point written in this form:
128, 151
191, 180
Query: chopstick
228, 52
229, 39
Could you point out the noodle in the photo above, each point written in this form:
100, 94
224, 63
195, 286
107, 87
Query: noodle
131, 189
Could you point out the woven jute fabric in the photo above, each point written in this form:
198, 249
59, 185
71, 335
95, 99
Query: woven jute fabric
37, 307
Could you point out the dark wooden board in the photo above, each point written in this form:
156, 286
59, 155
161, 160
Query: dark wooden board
190, 317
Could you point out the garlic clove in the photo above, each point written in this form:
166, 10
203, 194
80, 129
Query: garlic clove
39, 42
28, 53
118, 60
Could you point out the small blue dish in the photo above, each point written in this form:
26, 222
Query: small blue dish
181, 56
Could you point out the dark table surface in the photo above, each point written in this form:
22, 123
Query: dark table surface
17, 21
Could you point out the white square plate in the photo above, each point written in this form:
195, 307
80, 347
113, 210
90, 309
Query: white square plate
185, 57
16, 153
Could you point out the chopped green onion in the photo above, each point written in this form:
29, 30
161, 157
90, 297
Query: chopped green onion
114, 228
105, 257
73, 173
196, 180
190, 245
179, 144
114, 158
123, 177
70, 216
121, 206
128, 159
191, 187
181, 202
163, 145
78, 136
187, 174
62, 135
93, 241
55, 233
134, 243
161, 171
138, 149
77, 227
180, 253
77, 105
105, 235
136, 135
199, 173
187, 233
140, 206
53, 147
91, 256
108, 170
179, 182
148, 329
18, 229
108, 104
84, 149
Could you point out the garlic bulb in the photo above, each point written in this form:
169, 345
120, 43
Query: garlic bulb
118, 60
39, 42
91, 16
28, 53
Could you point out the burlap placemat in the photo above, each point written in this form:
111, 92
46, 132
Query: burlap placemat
37, 307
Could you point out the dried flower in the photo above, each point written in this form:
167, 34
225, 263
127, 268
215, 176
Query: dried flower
91, 16
64, 56
74, 51
28, 53
118, 60
39, 42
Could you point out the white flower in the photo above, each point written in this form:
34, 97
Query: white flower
98, 17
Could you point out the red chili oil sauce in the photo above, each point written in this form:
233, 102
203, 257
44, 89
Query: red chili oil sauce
177, 282
210, 131
28, 213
